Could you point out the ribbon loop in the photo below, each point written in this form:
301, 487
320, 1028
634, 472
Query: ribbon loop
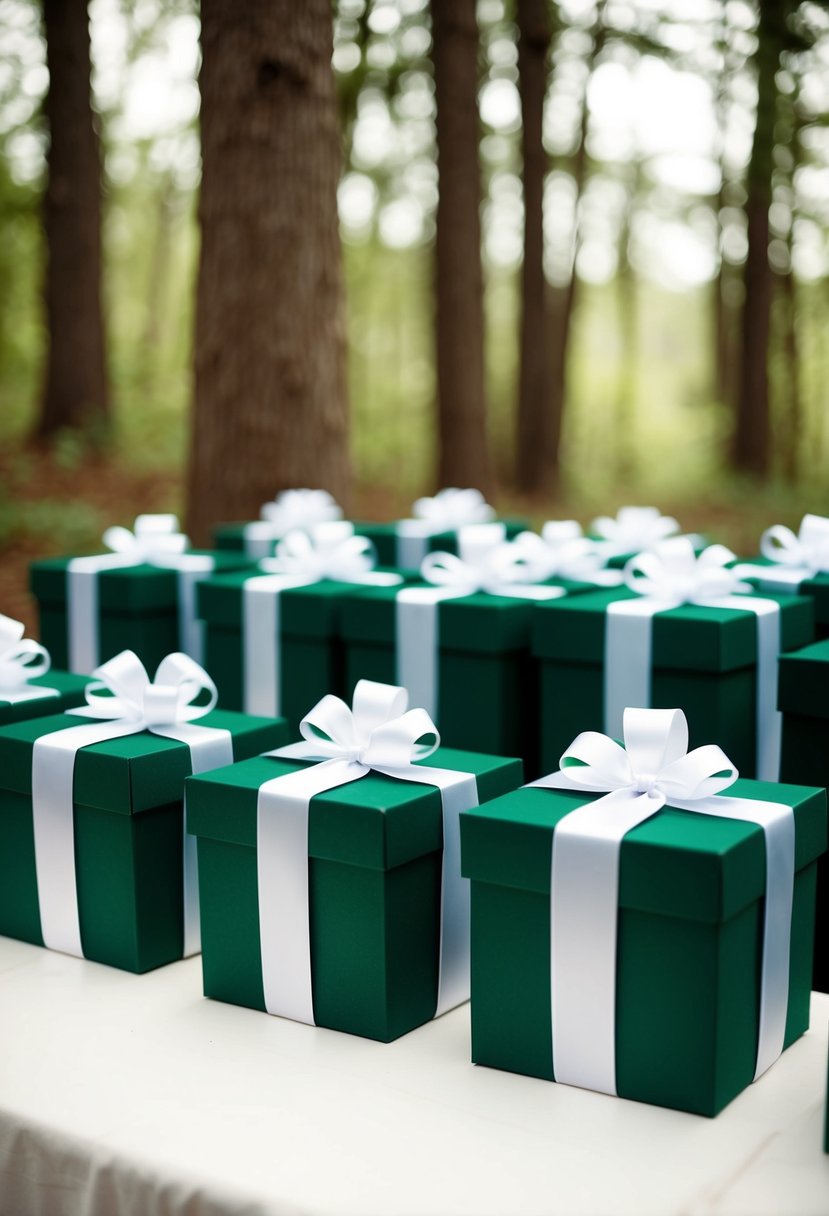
152, 536
451, 509
21, 659
123, 690
634, 529
672, 571
809, 549
327, 551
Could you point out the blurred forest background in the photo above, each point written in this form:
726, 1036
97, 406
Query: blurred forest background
677, 279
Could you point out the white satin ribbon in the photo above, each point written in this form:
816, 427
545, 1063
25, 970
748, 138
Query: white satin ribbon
794, 558
128, 703
21, 660
447, 511
328, 551
155, 541
667, 577
653, 770
633, 530
487, 562
378, 734
290, 510
563, 551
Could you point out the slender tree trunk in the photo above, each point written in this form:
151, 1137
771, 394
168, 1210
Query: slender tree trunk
271, 407
793, 398
628, 300
751, 447
158, 278
463, 458
536, 455
75, 391
564, 302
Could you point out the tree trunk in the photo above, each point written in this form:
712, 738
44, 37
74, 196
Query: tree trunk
536, 455
463, 458
270, 408
75, 391
752, 432
793, 398
565, 300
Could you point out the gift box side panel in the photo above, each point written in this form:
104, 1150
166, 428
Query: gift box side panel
70, 691
510, 979
720, 708
229, 537
805, 757
802, 681
223, 659
19, 910
130, 886
229, 912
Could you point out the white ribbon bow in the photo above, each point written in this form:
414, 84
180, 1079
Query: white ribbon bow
152, 537
563, 551
666, 577
633, 529
672, 571
451, 508
377, 734
487, 562
123, 701
326, 551
124, 692
21, 659
807, 551
290, 510
654, 769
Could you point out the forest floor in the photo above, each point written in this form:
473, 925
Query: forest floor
62, 500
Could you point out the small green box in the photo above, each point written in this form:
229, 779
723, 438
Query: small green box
311, 649
375, 853
704, 660
816, 587
804, 702
487, 677
138, 607
129, 836
691, 894
68, 687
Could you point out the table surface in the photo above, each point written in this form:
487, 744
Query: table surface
134, 1095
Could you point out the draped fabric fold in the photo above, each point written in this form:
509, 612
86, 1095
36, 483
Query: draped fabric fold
654, 769
378, 734
123, 701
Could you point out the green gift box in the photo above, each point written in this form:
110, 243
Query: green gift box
703, 658
374, 889
487, 694
139, 608
128, 836
688, 946
61, 691
815, 586
310, 648
803, 700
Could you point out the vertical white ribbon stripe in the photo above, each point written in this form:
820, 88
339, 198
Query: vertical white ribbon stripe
262, 641
583, 929
83, 640
417, 643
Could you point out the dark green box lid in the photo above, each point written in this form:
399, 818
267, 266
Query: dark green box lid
312, 611
804, 681
677, 863
690, 638
135, 773
377, 822
127, 589
487, 624
70, 690
816, 587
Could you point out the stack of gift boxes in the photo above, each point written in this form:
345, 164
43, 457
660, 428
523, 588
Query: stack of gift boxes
639, 919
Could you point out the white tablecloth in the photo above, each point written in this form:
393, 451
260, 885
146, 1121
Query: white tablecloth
126, 1095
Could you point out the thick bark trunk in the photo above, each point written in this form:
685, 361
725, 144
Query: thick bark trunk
270, 408
536, 455
75, 391
752, 432
463, 453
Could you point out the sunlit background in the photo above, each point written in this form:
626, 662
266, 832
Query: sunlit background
657, 235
